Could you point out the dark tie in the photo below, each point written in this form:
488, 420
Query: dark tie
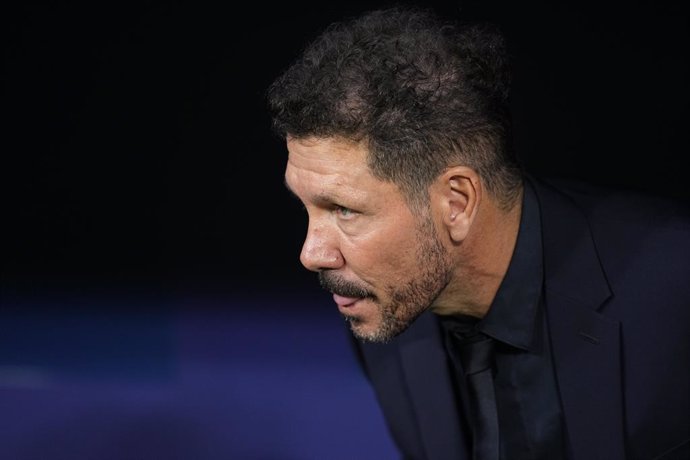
477, 363
476, 357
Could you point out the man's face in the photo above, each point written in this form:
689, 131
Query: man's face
383, 264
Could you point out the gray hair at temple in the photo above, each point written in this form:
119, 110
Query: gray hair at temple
421, 92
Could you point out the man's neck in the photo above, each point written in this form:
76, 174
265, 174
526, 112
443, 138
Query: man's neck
482, 261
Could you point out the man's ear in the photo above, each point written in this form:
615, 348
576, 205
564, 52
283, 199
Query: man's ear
456, 193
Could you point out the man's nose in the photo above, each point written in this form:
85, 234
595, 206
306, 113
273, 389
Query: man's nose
320, 250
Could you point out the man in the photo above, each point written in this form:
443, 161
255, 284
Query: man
496, 314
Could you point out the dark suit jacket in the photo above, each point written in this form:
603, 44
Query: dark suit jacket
617, 300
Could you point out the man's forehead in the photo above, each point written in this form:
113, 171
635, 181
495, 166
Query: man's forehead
339, 184
328, 188
328, 161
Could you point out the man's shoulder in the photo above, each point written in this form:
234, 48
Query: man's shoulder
617, 203
640, 240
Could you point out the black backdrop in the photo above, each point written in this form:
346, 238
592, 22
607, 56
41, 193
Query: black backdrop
136, 149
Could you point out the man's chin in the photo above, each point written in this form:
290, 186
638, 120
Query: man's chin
361, 329
373, 331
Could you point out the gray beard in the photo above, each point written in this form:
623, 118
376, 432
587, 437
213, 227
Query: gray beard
411, 300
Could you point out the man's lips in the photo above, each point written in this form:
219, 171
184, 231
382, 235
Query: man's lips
345, 301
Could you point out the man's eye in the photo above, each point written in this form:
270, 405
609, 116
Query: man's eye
344, 212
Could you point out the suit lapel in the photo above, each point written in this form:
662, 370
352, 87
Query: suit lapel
586, 345
587, 360
428, 378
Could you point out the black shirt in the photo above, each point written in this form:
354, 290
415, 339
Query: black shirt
529, 410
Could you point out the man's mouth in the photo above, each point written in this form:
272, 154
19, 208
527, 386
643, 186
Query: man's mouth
343, 301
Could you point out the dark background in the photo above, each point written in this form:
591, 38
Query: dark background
152, 304
136, 149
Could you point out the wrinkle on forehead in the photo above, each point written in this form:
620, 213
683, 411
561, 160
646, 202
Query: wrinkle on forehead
332, 170
332, 162
327, 187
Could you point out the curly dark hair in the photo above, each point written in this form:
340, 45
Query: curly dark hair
421, 92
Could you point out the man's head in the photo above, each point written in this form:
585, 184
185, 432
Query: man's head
376, 111
384, 263
420, 92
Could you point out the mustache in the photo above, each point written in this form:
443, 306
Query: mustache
333, 283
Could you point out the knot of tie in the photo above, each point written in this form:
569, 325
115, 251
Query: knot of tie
477, 355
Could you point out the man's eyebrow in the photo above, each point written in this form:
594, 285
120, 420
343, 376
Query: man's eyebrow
321, 198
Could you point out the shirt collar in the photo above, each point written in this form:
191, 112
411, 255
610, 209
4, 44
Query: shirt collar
512, 315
